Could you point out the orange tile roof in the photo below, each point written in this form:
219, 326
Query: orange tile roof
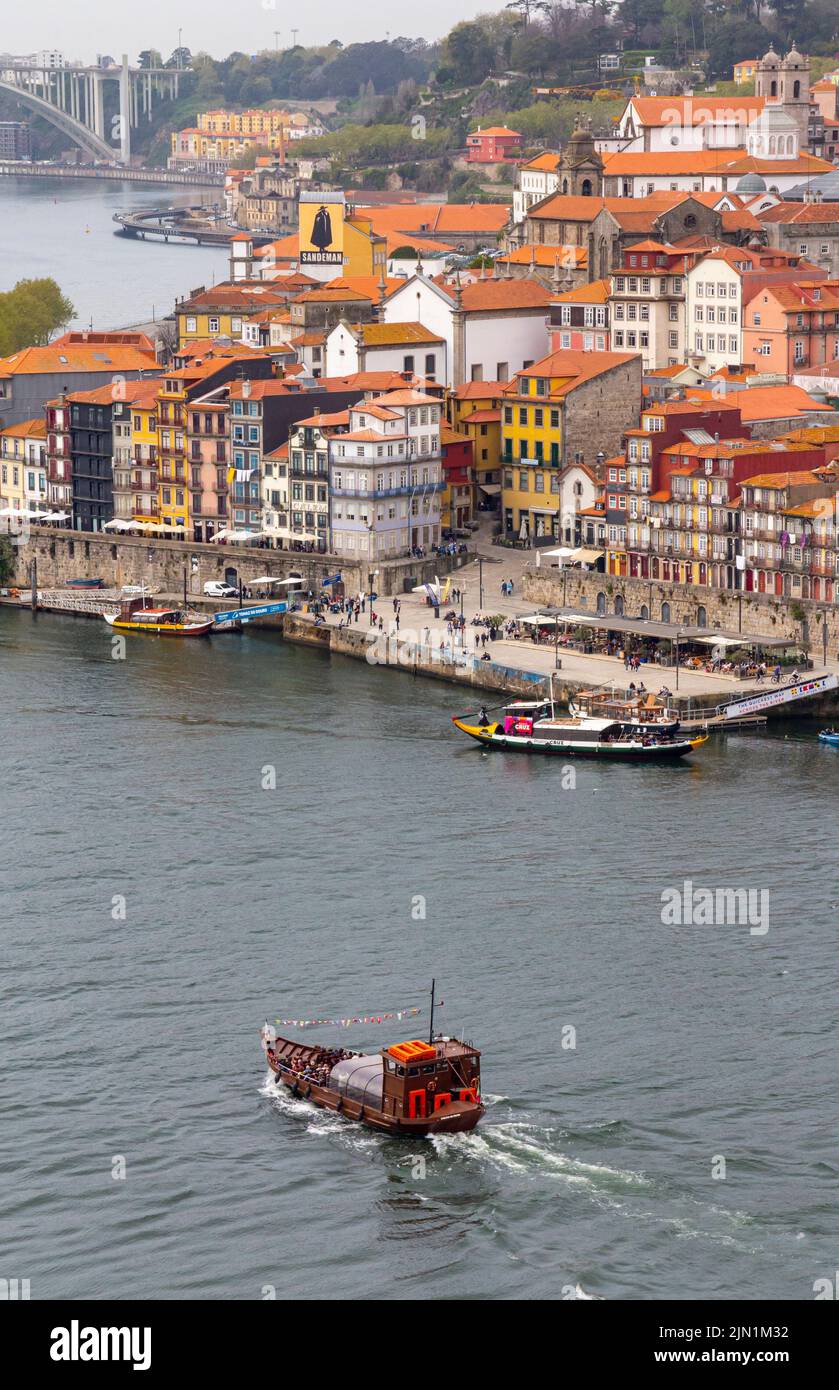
501, 295
543, 256
325, 420
481, 417
130, 392
330, 294
258, 389
571, 368
384, 334
408, 396
548, 160
496, 130
369, 436
696, 110
766, 402
801, 212
368, 285
482, 390
26, 429
595, 292
780, 480
52, 358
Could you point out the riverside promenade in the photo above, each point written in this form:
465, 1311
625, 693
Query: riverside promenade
417, 625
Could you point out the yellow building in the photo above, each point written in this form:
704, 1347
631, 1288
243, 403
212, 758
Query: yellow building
145, 445
568, 408
23, 477
171, 453
333, 239
224, 310
745, 71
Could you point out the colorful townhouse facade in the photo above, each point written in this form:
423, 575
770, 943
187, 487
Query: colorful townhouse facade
790, 327
568, 408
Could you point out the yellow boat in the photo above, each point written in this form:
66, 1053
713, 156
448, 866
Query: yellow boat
164, 622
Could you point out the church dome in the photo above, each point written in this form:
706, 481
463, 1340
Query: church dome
770, 58
750, 184
794, 58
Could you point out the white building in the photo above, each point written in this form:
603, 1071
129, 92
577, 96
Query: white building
385, 347
386, 478
714, 309
534, 181
492, 328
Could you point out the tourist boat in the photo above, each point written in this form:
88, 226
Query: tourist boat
533, 727
165, 622
411, 1088
830, 736
639, 713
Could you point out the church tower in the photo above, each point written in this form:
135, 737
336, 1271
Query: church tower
580, 168
767, 76
795, 92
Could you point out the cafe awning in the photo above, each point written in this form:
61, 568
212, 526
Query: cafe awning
490, 489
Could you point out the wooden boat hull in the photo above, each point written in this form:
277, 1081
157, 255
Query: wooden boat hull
84, 583
161, 629
493, 736
455, 1118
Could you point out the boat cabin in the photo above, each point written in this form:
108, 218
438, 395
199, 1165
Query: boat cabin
134, 612
420, 1077
520, 716
643, 709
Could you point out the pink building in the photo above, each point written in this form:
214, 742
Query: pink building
494, 145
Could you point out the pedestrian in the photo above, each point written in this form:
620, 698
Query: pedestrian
381, 624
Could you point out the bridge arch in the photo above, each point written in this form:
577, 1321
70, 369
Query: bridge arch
78, 132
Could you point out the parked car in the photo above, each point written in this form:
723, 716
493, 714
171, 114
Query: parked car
216, 588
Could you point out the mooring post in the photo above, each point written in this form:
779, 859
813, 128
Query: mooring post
33, 579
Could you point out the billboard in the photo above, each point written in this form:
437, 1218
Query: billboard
321, 231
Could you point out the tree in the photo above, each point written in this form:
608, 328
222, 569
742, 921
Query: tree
31, 313
469, 54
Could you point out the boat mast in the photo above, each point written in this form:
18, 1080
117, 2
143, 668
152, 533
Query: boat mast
431, 1024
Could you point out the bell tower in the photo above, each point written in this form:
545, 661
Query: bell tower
767, 76
795, 92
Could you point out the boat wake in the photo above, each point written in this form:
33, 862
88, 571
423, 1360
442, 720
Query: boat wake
532, 1151
529, 1153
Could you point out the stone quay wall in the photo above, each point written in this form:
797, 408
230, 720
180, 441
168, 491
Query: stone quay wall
160, 564
416, 659
803, 621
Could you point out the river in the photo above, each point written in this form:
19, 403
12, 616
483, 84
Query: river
65, 228
160, 904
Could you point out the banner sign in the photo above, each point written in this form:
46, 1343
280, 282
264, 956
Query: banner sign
802, 691
243, 615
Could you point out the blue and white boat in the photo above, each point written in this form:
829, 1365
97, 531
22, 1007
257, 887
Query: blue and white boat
830, 736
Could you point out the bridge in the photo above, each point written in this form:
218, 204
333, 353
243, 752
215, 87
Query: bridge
74, 99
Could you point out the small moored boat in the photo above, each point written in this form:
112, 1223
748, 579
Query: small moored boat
84, 583
164, 622
830, 736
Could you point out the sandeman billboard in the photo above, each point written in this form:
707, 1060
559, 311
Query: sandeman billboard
321, 232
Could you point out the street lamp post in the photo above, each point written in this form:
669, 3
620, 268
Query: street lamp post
480, 584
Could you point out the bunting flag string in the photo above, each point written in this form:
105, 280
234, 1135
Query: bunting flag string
347, 1022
